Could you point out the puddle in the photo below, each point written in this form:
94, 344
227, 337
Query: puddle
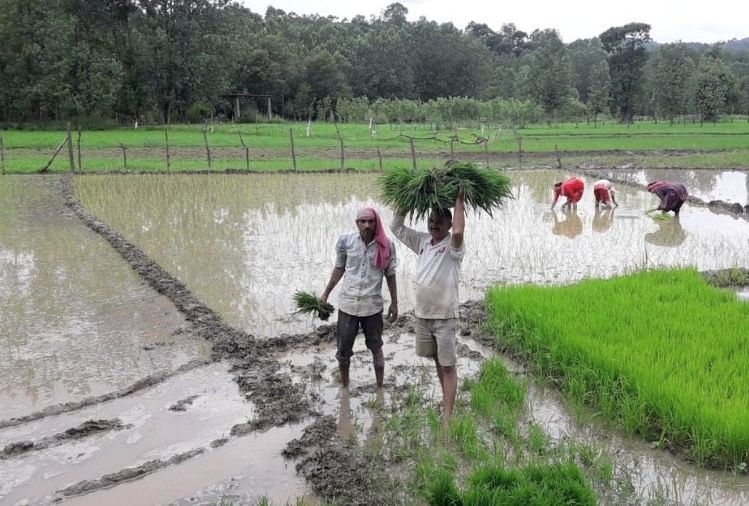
730, 186
75, 321
645, 475
743, 294
234, 239
152, 431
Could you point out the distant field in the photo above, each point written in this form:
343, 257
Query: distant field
724, 145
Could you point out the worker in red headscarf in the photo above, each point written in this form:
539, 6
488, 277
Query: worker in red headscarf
572, 189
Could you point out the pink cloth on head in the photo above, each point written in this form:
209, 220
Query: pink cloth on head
382, 255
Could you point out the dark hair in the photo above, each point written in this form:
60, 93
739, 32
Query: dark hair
557, 185
443, 213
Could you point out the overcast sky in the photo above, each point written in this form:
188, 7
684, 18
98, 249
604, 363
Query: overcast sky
671, 20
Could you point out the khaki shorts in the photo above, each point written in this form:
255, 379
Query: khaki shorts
436, 338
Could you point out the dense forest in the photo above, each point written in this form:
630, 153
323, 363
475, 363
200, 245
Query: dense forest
178, 60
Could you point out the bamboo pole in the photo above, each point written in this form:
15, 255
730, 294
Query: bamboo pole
80, 164
246, 151
71, 159
379, 157
124, 155
2, 155
166, 144
293, 154
413, 153
54, 155
486, 151
207, 148
520, 152
343, 160
559, 157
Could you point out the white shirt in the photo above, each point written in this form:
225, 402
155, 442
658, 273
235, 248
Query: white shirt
437, 272
361, 289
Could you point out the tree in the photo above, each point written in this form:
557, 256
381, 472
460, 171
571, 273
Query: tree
598, 91
395, 13
550, 74
625, 47
713, 83
584, 54
673, 67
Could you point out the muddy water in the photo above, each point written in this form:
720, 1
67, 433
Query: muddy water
245, 243
153, 431
642, 474
75, 321
730, 186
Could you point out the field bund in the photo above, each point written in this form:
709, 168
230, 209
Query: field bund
660, 353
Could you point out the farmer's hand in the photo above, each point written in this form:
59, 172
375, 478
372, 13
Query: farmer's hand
393, 313
324, 297
460, 196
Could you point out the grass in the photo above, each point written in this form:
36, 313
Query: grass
465, 464
660, 353
730, 138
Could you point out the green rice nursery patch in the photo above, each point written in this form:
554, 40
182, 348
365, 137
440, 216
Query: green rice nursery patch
660, 353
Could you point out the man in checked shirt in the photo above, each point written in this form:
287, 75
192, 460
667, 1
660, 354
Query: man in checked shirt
362, 259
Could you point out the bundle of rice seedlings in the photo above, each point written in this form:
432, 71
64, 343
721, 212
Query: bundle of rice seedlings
418, 192
310, 303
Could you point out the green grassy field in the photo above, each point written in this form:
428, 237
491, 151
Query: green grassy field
660, 353
28, 148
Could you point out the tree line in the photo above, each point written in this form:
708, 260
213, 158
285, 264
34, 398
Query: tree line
180, 60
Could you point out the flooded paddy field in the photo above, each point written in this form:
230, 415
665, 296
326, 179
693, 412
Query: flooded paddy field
728, 185
234, 240
243, 244
75, 321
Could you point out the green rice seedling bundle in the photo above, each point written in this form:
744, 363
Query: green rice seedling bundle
309, 303
417, 192
662, 217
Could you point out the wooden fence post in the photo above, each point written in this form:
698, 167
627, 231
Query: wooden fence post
343, 160
413, 153
207, 148
124, 155
80, 163
166, 139
71, 159
520, 152
452, 151
2, 155
486, 151
246, 151
559, 157
293, 154
379, 157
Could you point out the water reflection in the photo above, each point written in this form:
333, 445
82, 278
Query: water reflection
245, 243
603, 219
569, 226
670, 233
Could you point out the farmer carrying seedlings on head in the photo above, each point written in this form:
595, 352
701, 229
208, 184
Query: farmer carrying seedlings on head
604, 193
572, 188
362, 259
672, 195
437, 271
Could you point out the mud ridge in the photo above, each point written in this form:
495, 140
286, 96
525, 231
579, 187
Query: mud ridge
147, 382
277, 398
127, 474
84, 430
337, 471
717, 206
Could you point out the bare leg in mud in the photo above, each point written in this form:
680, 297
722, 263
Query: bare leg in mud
343, 370
378, 359
448, 376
